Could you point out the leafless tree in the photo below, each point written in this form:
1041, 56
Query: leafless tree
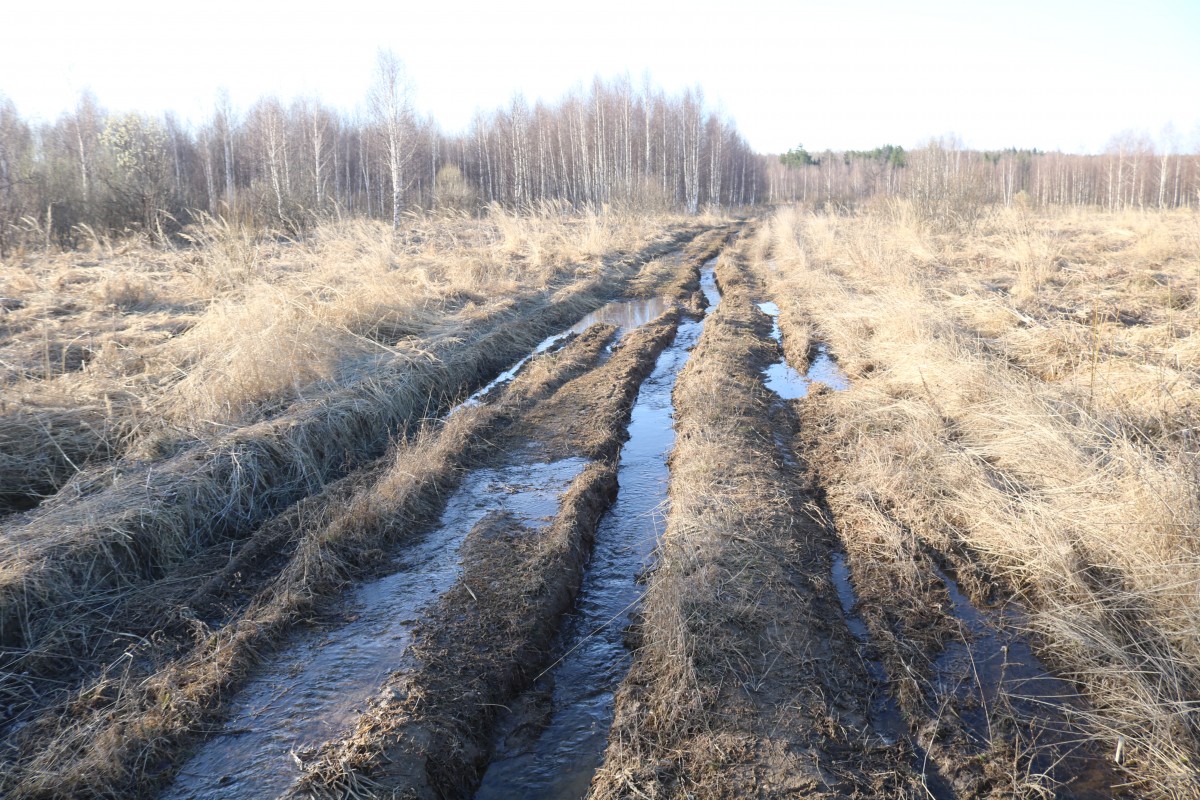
390, 101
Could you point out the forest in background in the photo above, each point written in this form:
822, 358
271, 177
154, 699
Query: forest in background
94, 174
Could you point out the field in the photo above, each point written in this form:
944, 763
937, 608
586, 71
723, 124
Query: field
808, 503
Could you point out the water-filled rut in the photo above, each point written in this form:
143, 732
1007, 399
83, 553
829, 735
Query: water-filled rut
985, 684
786, 383
317, 687
625, 315
554, 743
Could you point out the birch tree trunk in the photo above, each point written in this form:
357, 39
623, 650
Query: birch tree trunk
391, 104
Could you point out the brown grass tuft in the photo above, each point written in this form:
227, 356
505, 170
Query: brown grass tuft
1023, 403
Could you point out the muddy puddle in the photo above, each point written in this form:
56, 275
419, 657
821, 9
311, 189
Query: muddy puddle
316, 688
786, 381
555, 745
624, 315
887, 719
999, 685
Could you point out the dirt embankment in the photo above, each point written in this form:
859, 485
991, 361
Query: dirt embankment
746, 681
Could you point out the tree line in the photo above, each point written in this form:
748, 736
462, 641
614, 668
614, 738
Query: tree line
288, 165
943, 175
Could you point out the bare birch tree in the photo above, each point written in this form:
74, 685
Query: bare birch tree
390, 100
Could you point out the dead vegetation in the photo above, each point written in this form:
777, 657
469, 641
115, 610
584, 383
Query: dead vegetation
314, 413
1022, 409
435, 313
182, 343
745, 681
205, 446
490, 634
147, 706
485, 641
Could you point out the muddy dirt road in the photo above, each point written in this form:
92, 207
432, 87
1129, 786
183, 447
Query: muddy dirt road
611, 571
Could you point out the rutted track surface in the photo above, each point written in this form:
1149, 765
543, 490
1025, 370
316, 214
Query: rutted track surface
313, 690
125, 728
554, 740
761, 671
484, 640
746, 681
614, 570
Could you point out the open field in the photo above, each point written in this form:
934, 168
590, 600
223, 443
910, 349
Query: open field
812, 505
1021, 418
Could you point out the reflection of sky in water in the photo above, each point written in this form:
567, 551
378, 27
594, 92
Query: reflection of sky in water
560, 763
625, 315
317, 688
789, 384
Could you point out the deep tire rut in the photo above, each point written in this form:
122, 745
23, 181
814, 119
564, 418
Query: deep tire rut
747, 680
126, 730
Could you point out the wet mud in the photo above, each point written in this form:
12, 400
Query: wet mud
886, 717
317, 688
785, 380
483, 642
126, 728
553, 743
960, 685
1005, 698
746, 680
619, 568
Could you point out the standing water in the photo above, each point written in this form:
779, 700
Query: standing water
565, 755
785, 381
886, 717
317, 688
996, 679
788, 384
624, 314
994, 672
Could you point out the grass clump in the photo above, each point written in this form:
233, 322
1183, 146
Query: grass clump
1022, 403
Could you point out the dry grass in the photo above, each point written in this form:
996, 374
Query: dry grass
233, 400
150, 703
188, 342
742, 682
486, 639
1023, 403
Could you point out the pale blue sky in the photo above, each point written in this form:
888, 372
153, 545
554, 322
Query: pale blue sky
1053, 74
